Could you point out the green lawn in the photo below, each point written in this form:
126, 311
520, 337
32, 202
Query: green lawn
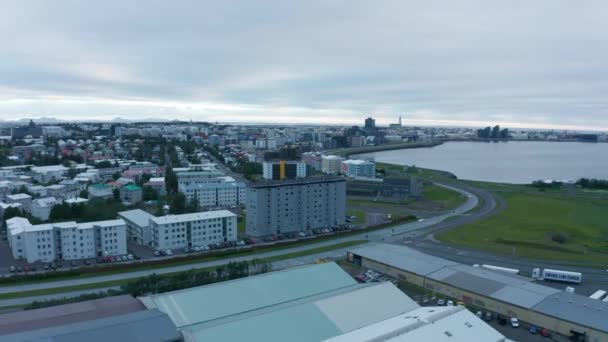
241, 225
361, 216
99, 285
526, 227
448, 199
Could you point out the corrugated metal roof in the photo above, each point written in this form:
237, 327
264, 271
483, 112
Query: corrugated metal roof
575, 308
206, 303
137, 216
309, 319
404, 258
140, 326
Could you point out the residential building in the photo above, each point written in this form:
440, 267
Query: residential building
313, 159
24, 199
100, 190
66, 240
138, 226
331, 165
197, 176
61, 191
215, 192
190, 230
41, 207
158, 184
5, 206
277, 170
131, 194
276, 207
370, 123
357, 168
48, 174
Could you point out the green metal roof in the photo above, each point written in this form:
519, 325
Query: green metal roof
206, 303
132, 187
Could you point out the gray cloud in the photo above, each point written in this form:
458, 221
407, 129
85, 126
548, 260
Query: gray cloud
472, 62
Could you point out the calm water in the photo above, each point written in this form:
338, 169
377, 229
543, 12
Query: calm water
508, 162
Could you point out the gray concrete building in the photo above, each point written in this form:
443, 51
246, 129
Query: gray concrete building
277, 207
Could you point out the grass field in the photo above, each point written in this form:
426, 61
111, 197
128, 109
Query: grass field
360, 214
448, 199
531, 220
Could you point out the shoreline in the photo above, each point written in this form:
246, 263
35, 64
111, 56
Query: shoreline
347, 152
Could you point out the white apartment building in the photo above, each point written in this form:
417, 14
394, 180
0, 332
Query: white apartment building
221, 192
65, 240
51, 173
24, 199
41, 207
196, 229
331, 165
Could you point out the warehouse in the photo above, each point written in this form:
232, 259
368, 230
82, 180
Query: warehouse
566, 313
309, 303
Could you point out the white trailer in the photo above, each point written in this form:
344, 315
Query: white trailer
599, 295
501, 269
557, 275
605, 299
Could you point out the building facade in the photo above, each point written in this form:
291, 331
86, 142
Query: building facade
313, 159
215, 192
66, 240
357, 168
331, 165
190, 230
276, 207
131, 193
277, 170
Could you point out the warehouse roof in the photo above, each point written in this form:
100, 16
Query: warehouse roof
310, 318
442, 323
575, 308
404, 258
140, 326
251, 293
68, 313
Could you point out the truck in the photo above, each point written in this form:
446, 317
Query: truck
557, 275
599, 295
501, 269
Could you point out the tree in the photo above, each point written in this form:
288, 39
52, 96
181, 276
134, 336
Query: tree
495, 132
116, 194
116, 175
178, 204
192, 206
83, 194
171, 181
150, 194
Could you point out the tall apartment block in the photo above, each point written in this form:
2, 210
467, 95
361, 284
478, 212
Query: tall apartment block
276, 207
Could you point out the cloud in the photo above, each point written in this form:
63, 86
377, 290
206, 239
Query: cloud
468, 62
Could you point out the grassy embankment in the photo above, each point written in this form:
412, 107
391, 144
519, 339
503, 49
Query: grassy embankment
113, 283
554, 224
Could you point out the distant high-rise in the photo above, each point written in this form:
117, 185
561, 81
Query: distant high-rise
399, 120
370, 123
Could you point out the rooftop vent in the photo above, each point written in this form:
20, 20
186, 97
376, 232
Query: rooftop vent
449, 334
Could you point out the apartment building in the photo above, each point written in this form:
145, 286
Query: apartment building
331, 165
313, 159
197, 175
281, 169
41, 207
196, 229
357, 168
276, 207
215, 192
51, 173
65, 240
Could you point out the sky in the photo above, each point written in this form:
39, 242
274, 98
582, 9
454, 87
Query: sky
467, 63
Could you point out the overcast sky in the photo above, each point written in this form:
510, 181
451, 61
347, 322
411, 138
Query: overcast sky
517, 63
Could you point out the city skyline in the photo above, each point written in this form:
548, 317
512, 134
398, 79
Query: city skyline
472, 64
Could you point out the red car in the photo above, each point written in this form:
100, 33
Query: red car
545, 333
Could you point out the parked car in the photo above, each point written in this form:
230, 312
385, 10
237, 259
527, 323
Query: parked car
502, 320
514, 322
169, 252
12, 268
488, 316
545, 333
533, 330
450, 303
440, 301
479, 314
130, 257
156, 253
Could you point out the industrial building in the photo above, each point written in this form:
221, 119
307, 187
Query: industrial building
276, 207
121, 318
180, 231
309, 303
278, 170
569, 314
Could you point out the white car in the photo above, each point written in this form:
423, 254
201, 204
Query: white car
440, 302
197, 248
169, 252
514, 322
450, 303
